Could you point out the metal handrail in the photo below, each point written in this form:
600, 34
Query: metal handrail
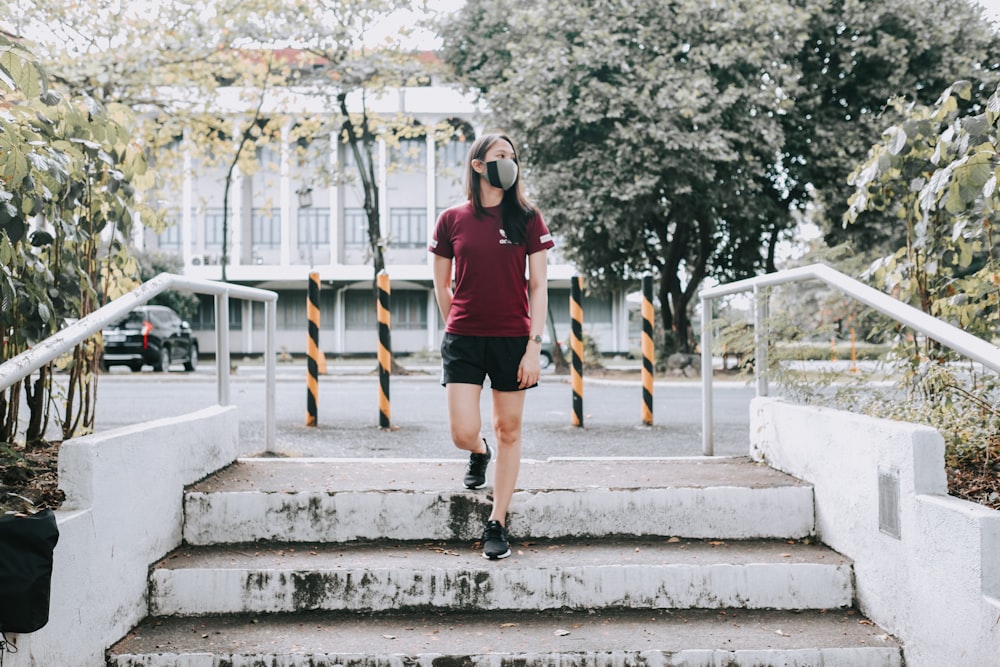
22, 365
951, 336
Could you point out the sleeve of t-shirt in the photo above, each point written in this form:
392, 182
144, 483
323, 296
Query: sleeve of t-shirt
539, 237
441, 241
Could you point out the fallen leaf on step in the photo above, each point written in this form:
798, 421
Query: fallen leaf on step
781, 633
674, 540
389, 636
865, 621
561, 633
884, 637
508, 625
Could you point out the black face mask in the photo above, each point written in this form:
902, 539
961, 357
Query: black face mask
501, 173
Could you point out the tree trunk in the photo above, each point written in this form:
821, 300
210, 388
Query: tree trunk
36, 398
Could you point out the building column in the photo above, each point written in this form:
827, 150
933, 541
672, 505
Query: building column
432, 308
336, 218
383, 190
431, 187
285, 196
187, 199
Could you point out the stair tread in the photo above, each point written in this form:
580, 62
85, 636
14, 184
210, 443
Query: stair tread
286, 475
445, 633
542, 553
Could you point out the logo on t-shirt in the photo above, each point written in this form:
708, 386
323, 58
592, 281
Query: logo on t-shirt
503, 237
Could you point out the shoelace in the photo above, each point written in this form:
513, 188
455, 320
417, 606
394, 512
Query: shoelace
6, 647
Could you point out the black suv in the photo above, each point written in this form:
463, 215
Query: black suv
150, 335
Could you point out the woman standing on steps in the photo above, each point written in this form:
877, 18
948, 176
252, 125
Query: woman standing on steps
494, 317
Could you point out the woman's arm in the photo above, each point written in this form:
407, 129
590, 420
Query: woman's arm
530, 368
442, 284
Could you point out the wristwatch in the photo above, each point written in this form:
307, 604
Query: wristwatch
537, 339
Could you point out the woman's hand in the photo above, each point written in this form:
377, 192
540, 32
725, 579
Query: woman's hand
530, 368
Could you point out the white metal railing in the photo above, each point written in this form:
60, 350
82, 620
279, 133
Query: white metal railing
971, 346
19, 367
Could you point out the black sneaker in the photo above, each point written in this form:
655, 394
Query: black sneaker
475, 473
496, 541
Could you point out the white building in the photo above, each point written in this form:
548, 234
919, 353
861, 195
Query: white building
274, 243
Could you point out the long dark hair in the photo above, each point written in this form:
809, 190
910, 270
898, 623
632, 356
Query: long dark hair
515, 209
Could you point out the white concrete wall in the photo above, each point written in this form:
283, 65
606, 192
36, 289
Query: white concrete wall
936, 587
123, 512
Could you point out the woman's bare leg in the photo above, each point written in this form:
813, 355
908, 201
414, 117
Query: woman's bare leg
508, 410
463, 416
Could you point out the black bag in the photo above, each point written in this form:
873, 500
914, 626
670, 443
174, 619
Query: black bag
26, 545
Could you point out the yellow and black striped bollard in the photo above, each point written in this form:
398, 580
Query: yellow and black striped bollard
648, 350
384, 349
576, 347
312, 350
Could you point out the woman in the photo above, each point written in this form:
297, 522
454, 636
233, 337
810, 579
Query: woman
494, 317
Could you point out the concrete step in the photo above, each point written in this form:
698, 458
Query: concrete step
543, 574
342, 500
691, 638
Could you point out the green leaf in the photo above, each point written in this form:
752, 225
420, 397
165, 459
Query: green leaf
20, 74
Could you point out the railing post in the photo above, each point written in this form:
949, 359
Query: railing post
270, 371
760, 337
707, 370
222, 346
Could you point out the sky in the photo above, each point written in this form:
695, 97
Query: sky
992, 8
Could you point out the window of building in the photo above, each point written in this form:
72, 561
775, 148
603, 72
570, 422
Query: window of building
170, 238
408, 154
265, 226
407, 227
313, 226
213, 228
204, 320
355, 227
407, 310
291, 310
451, 156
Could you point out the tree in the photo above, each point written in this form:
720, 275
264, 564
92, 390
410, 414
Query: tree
857, 57
228, 74
935, 175
650, 136
347, 71
67, 181
678, 139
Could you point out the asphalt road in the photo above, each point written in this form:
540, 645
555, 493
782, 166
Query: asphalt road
348, 413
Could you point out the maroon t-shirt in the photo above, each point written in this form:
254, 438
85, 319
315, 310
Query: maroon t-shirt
491, 287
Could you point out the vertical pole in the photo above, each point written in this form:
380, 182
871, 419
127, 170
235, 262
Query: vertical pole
760, 335
384, 349
270, 372
312, 350
707, 436
222, 356
648, 350
576, 347
854, 352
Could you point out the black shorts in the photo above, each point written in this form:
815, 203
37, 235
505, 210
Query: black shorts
469, 359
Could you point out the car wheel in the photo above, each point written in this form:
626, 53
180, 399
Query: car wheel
103, 365
545, 360
135, 367
192, 362
163, 362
